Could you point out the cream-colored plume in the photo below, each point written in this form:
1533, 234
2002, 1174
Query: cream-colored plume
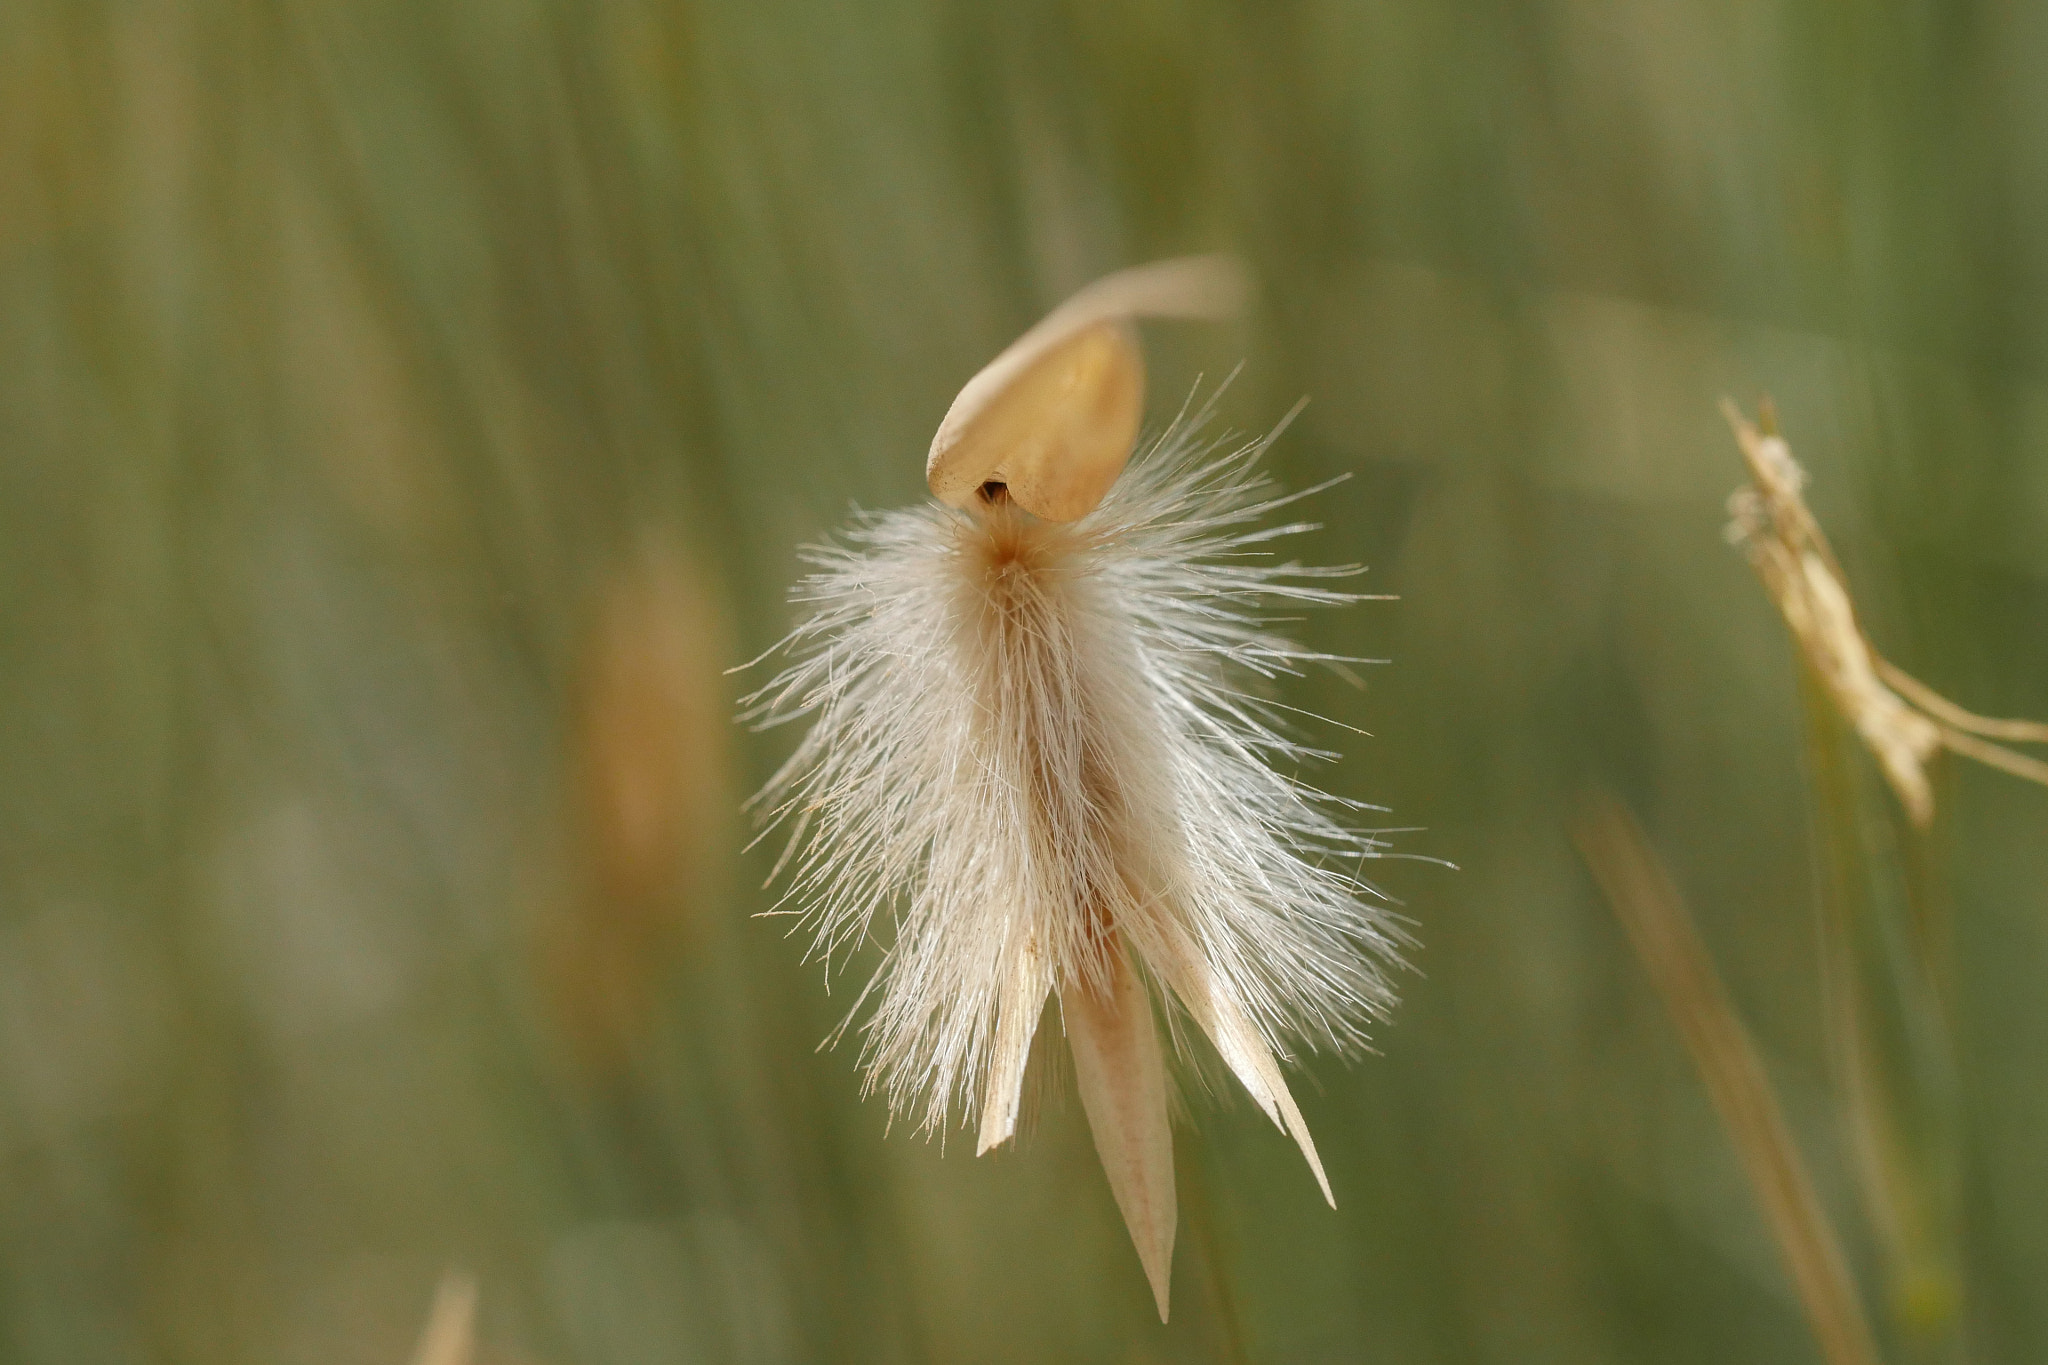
1040, 759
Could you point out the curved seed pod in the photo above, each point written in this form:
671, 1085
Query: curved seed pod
1054, 417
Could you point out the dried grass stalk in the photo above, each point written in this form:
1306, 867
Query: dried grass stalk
1665, 939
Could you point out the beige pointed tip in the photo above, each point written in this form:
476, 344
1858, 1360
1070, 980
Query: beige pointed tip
997, 1128
1023, 1000
1245, 1052
1054, 417
1297, 1129
1252, 1060
1122, 1079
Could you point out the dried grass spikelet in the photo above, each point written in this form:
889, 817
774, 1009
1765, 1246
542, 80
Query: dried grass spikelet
1033, 758
1902, 721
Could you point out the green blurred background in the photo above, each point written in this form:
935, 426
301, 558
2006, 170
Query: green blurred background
409, 408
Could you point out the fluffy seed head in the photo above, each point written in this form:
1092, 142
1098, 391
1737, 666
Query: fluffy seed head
1039, 756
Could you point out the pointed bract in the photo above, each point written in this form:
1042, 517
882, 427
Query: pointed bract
1248, 1055
1016, 1021
1122, 1079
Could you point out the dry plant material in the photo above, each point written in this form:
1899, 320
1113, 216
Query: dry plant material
1662, 933
1055, 416
1034, 764
1902, 721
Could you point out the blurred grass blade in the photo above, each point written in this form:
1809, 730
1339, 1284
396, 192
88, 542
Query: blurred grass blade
1884, 960
1997, 756
1883, 925
1663, 935
450, 1334
1946, 711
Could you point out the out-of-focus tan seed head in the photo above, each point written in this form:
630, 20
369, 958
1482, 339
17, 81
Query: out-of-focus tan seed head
1903, 722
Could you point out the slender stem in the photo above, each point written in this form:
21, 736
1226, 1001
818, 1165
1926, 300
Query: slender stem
1662, 933
1946, 711
1996, 756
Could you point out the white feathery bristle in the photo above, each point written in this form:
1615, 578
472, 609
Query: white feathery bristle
1034, 759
